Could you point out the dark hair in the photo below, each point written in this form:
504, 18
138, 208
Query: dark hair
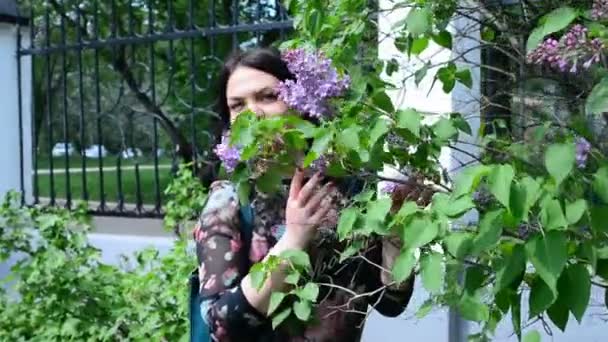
265, 59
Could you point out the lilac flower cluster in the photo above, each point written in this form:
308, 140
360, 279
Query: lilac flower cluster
572, 51
228, 154
320, 164
599, 11
389, 187
316, 81
583, 147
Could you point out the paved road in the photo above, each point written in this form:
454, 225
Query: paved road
72, 170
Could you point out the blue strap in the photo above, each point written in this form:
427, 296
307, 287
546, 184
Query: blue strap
199, 330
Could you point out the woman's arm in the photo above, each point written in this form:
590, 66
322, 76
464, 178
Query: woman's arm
303, 214
222, 264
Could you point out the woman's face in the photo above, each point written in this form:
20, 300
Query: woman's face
252, 89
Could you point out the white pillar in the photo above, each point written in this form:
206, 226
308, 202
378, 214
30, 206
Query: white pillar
16, 85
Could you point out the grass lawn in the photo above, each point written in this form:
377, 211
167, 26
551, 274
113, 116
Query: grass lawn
75, 162
110, 179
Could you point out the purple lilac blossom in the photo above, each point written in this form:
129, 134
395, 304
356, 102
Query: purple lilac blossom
316, 81
229, 155
389, 187
573, 50
320, 164
583, 147
599, 11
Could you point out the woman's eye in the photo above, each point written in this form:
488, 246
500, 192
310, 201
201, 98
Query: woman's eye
236, 107
269, 97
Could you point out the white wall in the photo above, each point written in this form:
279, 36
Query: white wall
9, 112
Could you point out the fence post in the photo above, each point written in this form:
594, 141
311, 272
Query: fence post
15, 103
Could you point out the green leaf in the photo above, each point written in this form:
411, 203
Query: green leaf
425, 309
559, 161
575, 210
515, 300
346, 222
297, 257
552, 216
292, 278
419, 231
432, 273
599, 219
322, 139
600, 184
269, 182
459, 244
404, 265
444, 129
443, 39
276, 298
452, 207
409, 119
559, 314
349, 138
280, 317
381, 127
461, 123
472, 309
419, 45
418, 21
258, 276
513, 267
474, 279
302, 309
532, 336
383, 101
351, 250
464, 77
310, 292
392, 66
597, 102
499, 182
407, 209
556, 20
548, 254
541, 297
488, 34
468, 179
378, 209
447, 76
532, 191
490, 231
578, 291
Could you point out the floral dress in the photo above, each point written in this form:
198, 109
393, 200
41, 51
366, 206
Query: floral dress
224, 260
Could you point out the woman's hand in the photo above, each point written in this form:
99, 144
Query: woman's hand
306, 209
413, 190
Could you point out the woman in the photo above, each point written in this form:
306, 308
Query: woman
302, 216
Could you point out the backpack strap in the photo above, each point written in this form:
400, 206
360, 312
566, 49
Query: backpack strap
199, 330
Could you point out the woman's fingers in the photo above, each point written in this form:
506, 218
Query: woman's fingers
308, 188
315, 200
296, 184
322, 211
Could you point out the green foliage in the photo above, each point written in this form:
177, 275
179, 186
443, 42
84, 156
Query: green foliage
62, 290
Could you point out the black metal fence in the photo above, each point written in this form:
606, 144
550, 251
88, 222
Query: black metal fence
122, 91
